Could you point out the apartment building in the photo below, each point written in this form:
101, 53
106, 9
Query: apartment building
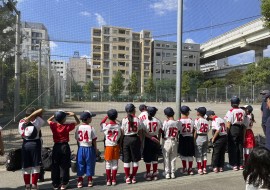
35, 42
119, 49
60, 66
164, 58
79, 70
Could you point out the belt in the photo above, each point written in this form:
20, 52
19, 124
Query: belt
135, 135
60, 142
202, 134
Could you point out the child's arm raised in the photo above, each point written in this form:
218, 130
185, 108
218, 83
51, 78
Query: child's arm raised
33, 115
75, 117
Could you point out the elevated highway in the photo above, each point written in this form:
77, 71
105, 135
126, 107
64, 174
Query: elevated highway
251, 36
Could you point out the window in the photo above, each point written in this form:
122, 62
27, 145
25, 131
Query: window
115, 39
173, 71
185, 64
121, 47
168, 72
190, 64
115, 31
167, 45
158, 45
191, 56
121, 39
174, 54
127, 48
157, 53
114, 64
114, 47
120, 31
127, 32
174, 46
121, 55
157, 70
163, 45
114, 55
168, 54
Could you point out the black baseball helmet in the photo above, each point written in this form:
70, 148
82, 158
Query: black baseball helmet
59, 116
235, 100
130, 108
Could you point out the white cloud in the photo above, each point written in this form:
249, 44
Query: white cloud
53, 45
163, 6
189, 40
100, 20
85, 13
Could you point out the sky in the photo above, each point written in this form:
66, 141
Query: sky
72, 20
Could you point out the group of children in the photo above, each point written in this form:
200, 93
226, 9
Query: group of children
138, 137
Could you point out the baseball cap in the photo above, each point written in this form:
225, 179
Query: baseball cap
263, 92
235, 100
60, 115
142, 107
201, 110
86, 114
29, 111
210, 112
266, 96
130, 108
152, 110
184, 109
169, 111
112, 114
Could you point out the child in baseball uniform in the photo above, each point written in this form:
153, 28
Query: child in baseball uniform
131, 129
219, 140
86, 156
170, 129
201, 140
61, 150
152, 129
249, 139
112, 132
186, 147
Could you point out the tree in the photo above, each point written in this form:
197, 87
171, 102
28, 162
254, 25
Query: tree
88, 88
133, 88
265, 10
191, 81
117, 85
150, 87
7, 44
234, 77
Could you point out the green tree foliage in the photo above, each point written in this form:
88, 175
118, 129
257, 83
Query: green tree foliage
117, 85
88, 88
258, 73
7, 44
265, 10
133, 88
191, 80
234, 77
150, 87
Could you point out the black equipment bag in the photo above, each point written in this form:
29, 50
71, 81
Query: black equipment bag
46, 157
14, 160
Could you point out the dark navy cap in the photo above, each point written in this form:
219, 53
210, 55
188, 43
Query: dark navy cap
86, 114
112, 113
210, 112
169, 111
130, 108
142, 107
60, 115
266, 96
152, 110
235, 100
201, 110
184, 109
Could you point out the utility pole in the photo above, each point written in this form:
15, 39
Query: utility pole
179, 57
49, 78
12, 7
39, 74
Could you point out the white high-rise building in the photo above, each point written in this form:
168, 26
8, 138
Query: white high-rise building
34, 38
60, 67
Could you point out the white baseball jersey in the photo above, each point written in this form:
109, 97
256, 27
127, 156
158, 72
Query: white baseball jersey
236, 116
126, 127
112, 132
248, 122
170, 129
219, 125
152, 127
143, 116
186, 127
38, 123
85, 134
201, 126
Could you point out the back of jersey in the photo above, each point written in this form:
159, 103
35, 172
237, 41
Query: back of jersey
170, 129
186, 127
131, 130
112, 134
219, 124
152, 127
236, 116
85, 134
201, 126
